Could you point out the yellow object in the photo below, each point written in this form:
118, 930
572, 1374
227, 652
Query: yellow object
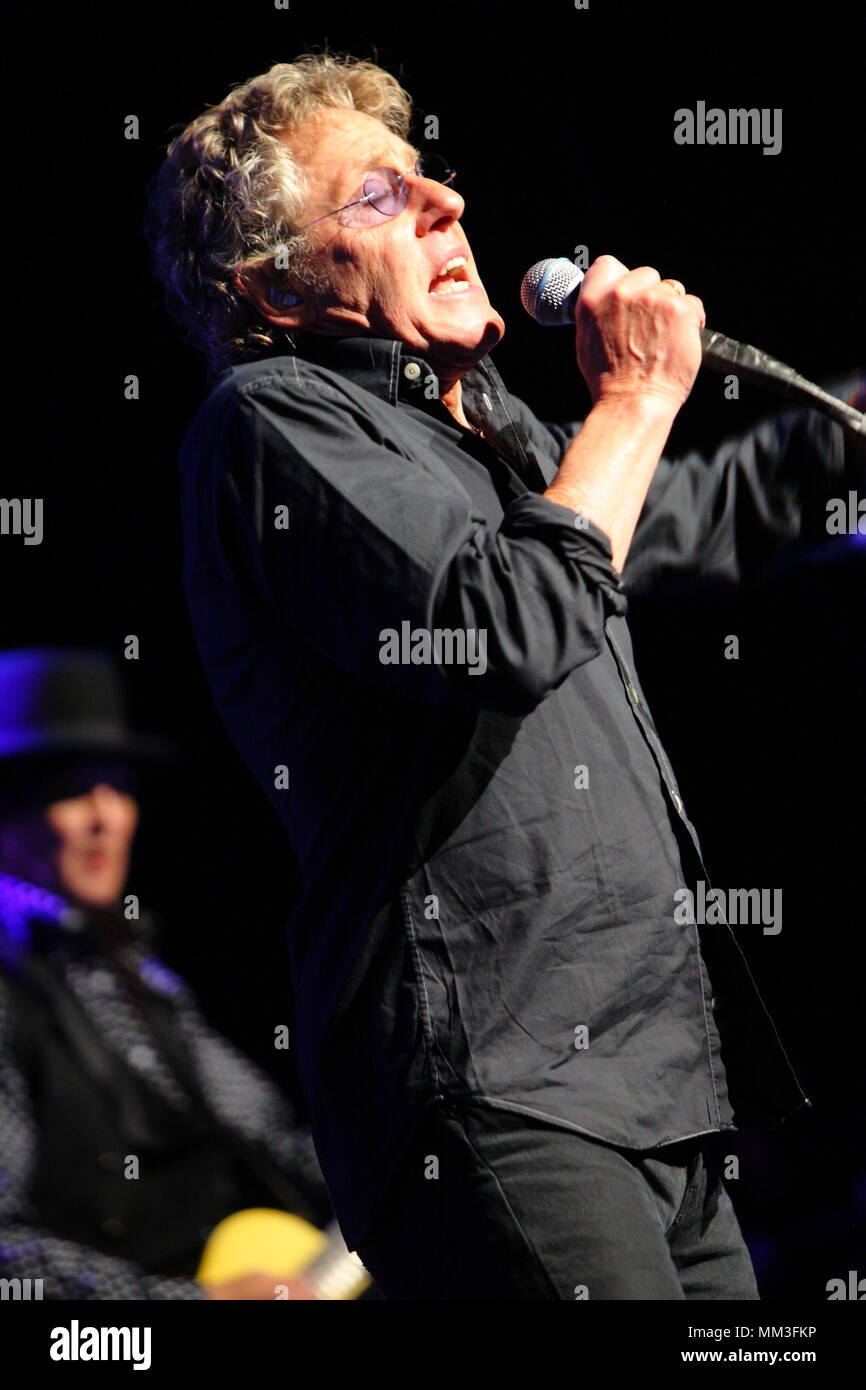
259, 1239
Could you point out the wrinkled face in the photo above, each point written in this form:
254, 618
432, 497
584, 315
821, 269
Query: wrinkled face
384, 274
79, 847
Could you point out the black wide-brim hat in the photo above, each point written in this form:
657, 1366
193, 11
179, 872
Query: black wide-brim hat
64, 727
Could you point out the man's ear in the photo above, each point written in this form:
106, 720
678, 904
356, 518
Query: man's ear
278, 304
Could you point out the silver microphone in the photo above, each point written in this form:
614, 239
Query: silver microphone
549, 294
549, 291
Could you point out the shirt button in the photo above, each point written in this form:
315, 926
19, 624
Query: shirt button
411, 371
634, 695
140, 1055
486, 400
678, 801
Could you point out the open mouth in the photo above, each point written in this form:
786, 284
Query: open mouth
452, 278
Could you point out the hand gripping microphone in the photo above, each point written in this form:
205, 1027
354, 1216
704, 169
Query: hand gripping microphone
549, 295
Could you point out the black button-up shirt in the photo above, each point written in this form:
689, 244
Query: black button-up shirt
490, 857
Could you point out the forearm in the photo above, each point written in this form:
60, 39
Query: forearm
606, 471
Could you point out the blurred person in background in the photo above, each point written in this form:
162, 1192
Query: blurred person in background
128, 1127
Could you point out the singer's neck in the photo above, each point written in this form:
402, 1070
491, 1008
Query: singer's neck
452, 399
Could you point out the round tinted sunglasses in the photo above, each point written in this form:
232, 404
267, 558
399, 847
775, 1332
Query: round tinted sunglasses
385, 193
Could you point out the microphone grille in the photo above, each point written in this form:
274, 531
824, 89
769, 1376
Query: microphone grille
546, 287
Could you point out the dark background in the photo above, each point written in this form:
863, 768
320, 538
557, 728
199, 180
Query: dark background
560, 125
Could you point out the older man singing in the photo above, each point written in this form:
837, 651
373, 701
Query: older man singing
515, 1050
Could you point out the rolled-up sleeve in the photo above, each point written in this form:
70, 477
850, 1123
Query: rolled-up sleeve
352, 538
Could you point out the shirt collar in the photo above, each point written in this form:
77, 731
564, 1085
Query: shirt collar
400, 375
385, 366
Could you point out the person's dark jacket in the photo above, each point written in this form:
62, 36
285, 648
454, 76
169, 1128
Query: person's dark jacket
128, 1126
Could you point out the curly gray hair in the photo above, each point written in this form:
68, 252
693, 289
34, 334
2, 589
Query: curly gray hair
230, 193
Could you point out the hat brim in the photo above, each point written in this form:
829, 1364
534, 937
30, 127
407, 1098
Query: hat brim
51, 770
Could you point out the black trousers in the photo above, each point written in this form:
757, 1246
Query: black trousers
487, 1204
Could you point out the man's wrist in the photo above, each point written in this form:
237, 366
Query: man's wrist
644, 408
